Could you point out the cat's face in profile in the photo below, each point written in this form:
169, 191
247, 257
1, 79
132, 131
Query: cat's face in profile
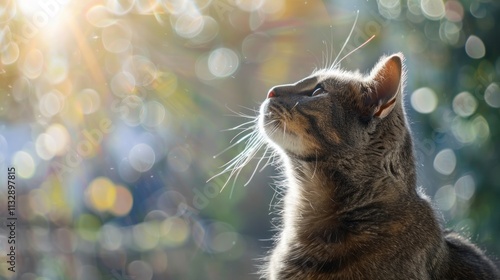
332, 111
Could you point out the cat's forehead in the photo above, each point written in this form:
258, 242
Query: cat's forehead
329, 79
336, 76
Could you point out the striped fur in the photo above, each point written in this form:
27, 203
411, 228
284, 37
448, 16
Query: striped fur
351, 208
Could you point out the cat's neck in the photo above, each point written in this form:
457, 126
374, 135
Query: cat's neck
326, 193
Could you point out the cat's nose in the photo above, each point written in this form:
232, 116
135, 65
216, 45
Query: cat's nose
271, 93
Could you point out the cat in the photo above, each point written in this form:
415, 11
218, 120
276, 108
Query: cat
351, 208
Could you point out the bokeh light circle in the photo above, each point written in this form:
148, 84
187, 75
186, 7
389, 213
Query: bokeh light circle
224, 241
188, 25
60, 136
464, 104
257, 47
101, 194
433, 9
116, 37
141, 157
249, 5
141, 68
152, 114
174, 231
146, 7
88, 100
110, 237
445, 197
140, 270
492, 95
445, 162
21, 89
33, 64
172, 203
50, 104
57, 69
209, 31
127, 172
130, 109
122, 84
179, 159
175, 7
123, 203
202, 68
24, 164
120, 7
424, 100
10, 53
45, 146
223, 62
99, 16
474, 47
465, 187
454, 11
146, 235
480, 128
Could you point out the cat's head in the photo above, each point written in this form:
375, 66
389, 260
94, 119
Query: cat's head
334, 111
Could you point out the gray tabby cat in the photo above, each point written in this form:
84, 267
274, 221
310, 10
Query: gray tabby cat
352, 209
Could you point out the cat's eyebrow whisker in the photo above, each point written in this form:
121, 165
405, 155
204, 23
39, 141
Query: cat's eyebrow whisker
295, 105
346, 41
331, 44
359, 47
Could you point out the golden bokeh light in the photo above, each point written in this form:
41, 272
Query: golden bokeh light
101, 194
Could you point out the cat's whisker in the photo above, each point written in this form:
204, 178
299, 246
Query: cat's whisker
271, 122
234, 144
239, 115
270, 160
256, 168
241, 132
241, 125
331, 46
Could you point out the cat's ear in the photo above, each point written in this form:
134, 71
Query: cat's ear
386, 77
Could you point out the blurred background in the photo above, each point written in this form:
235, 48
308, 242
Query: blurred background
112, 111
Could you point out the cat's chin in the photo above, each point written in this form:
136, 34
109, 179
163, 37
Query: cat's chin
286, 142
278, 134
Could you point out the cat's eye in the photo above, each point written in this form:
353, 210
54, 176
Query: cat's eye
318, 90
